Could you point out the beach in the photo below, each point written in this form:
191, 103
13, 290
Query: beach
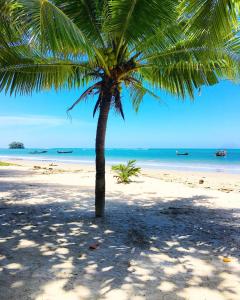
166, 235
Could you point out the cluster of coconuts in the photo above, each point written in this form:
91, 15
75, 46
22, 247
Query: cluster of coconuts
109, 57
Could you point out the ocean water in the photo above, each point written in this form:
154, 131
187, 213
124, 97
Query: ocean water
197, 160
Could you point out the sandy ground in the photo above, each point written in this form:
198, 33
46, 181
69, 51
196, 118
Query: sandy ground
164, 235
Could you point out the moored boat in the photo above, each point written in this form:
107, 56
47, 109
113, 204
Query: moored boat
64, 152
183, 153
38, 152
221, 153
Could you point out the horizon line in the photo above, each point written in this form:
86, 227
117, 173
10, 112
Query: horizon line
124, 148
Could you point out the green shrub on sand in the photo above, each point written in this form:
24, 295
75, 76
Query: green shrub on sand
125, 172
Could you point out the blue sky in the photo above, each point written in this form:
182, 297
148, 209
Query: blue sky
212, 121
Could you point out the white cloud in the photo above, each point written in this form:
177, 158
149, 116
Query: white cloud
38, 120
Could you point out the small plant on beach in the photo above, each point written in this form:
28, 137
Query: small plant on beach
16, 145
125, 172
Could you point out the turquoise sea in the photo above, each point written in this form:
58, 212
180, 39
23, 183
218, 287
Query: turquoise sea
197, 160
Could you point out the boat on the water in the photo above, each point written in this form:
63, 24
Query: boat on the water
38, 152
183, 153
64, 152
221, 153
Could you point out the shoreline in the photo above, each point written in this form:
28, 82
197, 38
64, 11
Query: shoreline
217, 181
164, 166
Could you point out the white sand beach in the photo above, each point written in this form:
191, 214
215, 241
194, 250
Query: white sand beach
165, 235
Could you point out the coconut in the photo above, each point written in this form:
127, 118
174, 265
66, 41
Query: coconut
112, 56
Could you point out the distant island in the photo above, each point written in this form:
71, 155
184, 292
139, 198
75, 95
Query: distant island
16, 145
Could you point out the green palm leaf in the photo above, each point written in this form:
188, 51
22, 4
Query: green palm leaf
86, 14
212, 20
133, 20
54, 29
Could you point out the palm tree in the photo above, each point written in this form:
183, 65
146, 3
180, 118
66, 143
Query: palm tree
176, 46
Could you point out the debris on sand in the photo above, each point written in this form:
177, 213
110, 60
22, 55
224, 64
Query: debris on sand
225, 190
227, 259
177, 210
94, 246
137, 237
36, 167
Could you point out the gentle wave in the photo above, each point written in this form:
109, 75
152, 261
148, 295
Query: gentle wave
149, 163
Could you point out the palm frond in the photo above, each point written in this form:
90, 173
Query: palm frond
210, 20
25, 76
131, 21
160, 40
55, 30
117, 102
137, 92
181, 79
87, 15
89, 91
187, 65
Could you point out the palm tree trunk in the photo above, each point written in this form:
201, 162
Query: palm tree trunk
100, 152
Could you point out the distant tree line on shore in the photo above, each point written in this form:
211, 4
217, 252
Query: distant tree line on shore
16, 145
